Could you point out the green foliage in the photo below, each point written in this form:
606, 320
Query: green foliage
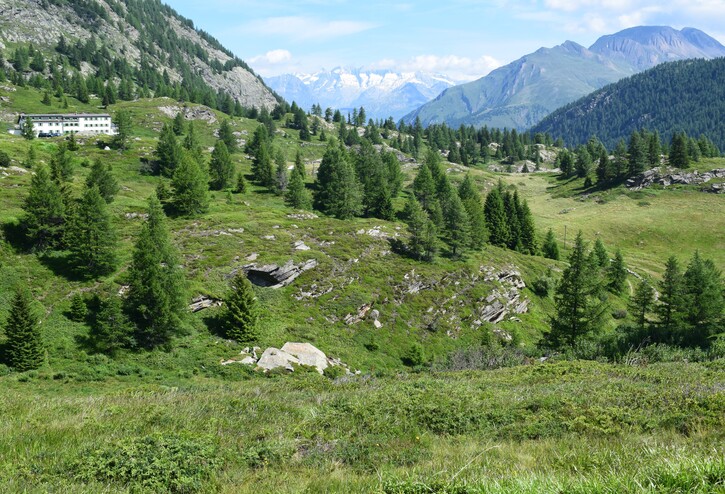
24, 347
78, 308
297, 195
101, 176
123, 123
642, 302
178, 124
154, 463
550, 249
334, 372
110, 329
496, 221
226, 134
44, 211
61, 164
4, 159
457, 226
616, 273
168, 152
90, 235
338, 191
156, 294
241, 313
189, 187
423, 238
221, 169
414, 356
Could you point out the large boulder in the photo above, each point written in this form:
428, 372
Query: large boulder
307, 354
273, 358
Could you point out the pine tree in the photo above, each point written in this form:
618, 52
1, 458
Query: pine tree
111, 330
338, 191
300, 165
28, 129
226, 134
297, 195
637, 154
221, 169
61, 164
529, 243
281, 177
191, 143
241, 314
24, 345
241, 187
122, 121
703, 299
511, 206
155, 298
189, 187
424, 187
641, 303
78, 309
616, 272
101, 177
168, 152
178, 124
474, 209
551, 247
678, 151
578, 309
90, 235
456, 223
671, 306
605, 171
44, 211
496, 221
262, 165
600, 254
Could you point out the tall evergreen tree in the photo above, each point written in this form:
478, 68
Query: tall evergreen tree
61, 164
474, 209
102, 177
155, 298
44, 211
191, 143
578, 309
111, 330
297, 195
262, 168
641, 303
226, 134
24, 342
457, 230
178, 124
529, 243
671, 306
189, 187
616, 272
496, 221
168, 152
637, 154
221, 168
90, 236
600, 254
241, 314
424, 187
551, 247
122, 121
338, 191
678, 151
281, 177
704, 302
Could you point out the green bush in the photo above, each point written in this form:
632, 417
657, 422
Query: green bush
542, 286
334, 371
414, 356
154, 463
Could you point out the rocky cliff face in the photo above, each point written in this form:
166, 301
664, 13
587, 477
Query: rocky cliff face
43, 22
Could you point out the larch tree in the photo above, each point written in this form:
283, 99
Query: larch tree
189, 187
221, 168
24, 345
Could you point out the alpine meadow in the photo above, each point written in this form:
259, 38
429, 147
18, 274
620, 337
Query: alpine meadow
206, 287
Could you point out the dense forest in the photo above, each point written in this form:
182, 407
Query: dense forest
673, 97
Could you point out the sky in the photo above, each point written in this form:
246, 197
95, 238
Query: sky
463, 39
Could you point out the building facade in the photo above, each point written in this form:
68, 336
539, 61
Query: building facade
46, 125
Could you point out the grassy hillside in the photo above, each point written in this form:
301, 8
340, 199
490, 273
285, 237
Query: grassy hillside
86, 422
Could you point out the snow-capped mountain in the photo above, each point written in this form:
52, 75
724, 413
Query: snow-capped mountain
383, 93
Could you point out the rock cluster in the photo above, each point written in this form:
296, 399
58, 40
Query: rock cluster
505, 300
274, 276
676, 177
290, 355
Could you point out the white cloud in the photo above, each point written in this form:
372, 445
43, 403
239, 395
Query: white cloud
273, 57
306, 28
453, 66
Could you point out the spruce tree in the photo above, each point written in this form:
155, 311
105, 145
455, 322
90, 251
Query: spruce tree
637, 154
496, 221
616, 272
226, 134
168, 152
111, 330
671, 306
241, 314
155, 300
641, 303
678, 151
551, 247
178, 124
28, 129
457, 230
474, 209
529, 243
221, 168
600, 254
281, 178
424, 187
90, 236
44, 211
299, 165
338, 191
297, 195
61, 164
122, 121
703, 299
191, 143
262, 168
102, 177
189, 187
24, 345
579, 311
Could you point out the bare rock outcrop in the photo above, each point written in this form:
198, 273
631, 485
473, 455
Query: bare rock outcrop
274, 276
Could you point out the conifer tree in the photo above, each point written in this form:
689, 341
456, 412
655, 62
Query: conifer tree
496, 221
262, 168
44, 211
226, 134
703, 299
300, 165
338, 191
600, 254
102, 177
221, 169
671, 307
281, 177
297, 195
474, 209
78, 308
641, 303
178, 124
424, 187
90, 235
155, 300
678, 151
551, 247
168, 152
529, 243
241, 187
111, 330
122, 121
191, 143
511, 206
616, 272
24, 345
61, 164
241, 314
604, 167
457, 230
28, 129
578, 309
189, 187
637, 154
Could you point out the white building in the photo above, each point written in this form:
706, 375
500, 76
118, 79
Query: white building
58, 125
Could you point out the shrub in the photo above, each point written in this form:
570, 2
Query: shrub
334, 371
541, 286
414, 356
4, 159
619, 314
154, 463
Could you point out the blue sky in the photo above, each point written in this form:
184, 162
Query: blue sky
464, 39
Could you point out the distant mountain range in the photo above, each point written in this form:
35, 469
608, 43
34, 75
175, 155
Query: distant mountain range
383, 93
688, 95
525, 91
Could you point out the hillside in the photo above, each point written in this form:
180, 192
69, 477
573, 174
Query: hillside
523, 92
145, 41
672, 97
383, 93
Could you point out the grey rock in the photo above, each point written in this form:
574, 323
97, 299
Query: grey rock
307, 354
273, 358
275, 276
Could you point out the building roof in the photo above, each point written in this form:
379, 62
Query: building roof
48, 115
